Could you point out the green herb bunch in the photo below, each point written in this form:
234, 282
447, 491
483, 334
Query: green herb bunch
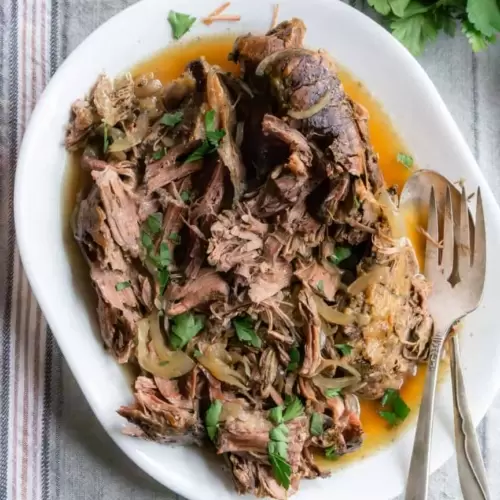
416, 23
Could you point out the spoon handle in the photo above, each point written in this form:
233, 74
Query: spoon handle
418, 476
471, 469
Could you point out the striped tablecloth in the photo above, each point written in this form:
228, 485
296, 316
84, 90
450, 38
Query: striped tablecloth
51, 446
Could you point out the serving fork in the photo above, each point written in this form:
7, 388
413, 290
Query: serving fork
455, 263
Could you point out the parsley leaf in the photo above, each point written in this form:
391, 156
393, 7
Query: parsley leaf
181, 23
279, 434
294, 364
105, 143
154, 222
212, 140
293, 410
175, 237
332, 393
331, 453
316, 424
185, 196
405, 160
146, 240
197, 353
345, 349
477, 40
158, 155
212, 419
484, 15
122, 285
282, 470
245, 331
320, 286
398, 410
185, 327
172, 119
163, 279
414, 31
339, 254
276, 415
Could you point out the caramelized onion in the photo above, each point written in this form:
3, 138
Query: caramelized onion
333, 315
169, 364
376, 275
214, 359
323, 102
394, 217
132, 138
325, 383
277, 56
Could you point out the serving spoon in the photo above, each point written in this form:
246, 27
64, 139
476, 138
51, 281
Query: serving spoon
455, 264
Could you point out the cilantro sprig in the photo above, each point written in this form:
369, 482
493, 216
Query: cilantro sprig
246, 332
185, 327
212, 139
416, 23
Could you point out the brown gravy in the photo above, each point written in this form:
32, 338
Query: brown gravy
169, 64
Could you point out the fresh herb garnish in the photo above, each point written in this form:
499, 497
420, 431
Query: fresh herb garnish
417, 23
279, 433
163, 279
122, 285
197, 353
185, 327
172, 119
397, 409
294, 409
154, 223
320, 286
185, 196
175, 237
181, 23
276, 415
277, 449
345, 349
316, 424
212, 419
246, 332
146, 240
339, 254
405, 160
158, 155
212, 139
331, 453
105, 143
356, 202
332, 393
282, 470
294, 364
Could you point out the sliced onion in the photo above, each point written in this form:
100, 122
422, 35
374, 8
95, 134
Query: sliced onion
147, 86
376, 275
169, 364
394, 217
277, 56
336, 363
325, 383
212, 360
323, 102
333, 315
134, 137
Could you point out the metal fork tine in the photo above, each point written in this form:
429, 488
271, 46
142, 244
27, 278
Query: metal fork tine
448, 236
479, 256
431, 250
462, 240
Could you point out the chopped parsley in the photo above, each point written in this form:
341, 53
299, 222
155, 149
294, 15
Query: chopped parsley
146, 240
276, 415
345, 349
294, 409
294, 364
212, 419
340, 254
320, 286
175, 237
279, 433
212, 139
180, 23
197, 353
158, 155
154, 223
331, 453
172, 119
185, 327
397, 410
356, 202
246, 332
122, 285
277, 449
316, 424
332, 393
405, 160
186, 196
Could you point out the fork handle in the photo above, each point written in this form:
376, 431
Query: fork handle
418, 475
471, 469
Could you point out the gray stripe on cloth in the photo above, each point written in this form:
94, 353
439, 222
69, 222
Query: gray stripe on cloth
8, 145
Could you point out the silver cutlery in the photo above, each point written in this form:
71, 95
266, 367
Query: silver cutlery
455, 263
